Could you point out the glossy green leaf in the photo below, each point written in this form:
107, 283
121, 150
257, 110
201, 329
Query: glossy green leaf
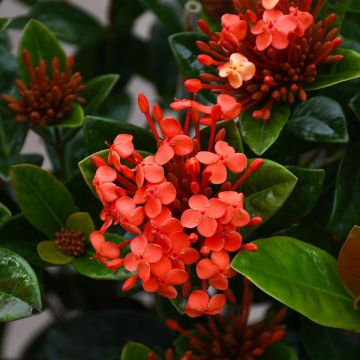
88, 168
303, 198
97, 90
49, 252
324, 343
19, 287
168, 12
331, 74
345, 212
355, 104
101, 335
68, 21
301, 276
80, 221
44, 200
21, 237
5, 214
267, 189
232, 135
279, 351
135, 351
73, 119
42, 44
4, 23
259, 135
339, 7
349, 262
88, 266
319, 119
185, 51
97, 130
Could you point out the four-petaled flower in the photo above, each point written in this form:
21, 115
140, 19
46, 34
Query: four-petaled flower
129, 216
149, 170
237, 70
226, 237
200, 303
235, 213
234, 25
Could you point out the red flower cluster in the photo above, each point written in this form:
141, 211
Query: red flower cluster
184, 213
267, 53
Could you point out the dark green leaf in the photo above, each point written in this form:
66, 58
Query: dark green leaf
259, 135
135, 351
279, 351
44, 200
4, 23
355, 105
49, 252
69, 22
8, 70
301, 276
347, 69
323, 343
5, 215
116, 106
97, 90
349, 262
339, 7
345, 211
267, 189
123, 14
319, 119
102, 335
303, 198
97, 130
72, 119
42, 44
19, 287
168, 12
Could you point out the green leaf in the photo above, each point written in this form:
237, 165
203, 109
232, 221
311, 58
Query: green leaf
42, 44
44, 200
97, 90
97, 130
267, 189
349, 262
135, 351
19, 287
88, 168
49, 252
89, 267
232, 135
80, 221
301, 276
259, 135
4, 23
279, 351
345, 212
303, 198
319, 119
185, 51
73, 119
5, 215
355, 104
69, 22
19, 236
324, 343
101, 335
344, 70
169, 13
339, 7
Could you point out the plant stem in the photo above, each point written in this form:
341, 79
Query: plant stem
60, 149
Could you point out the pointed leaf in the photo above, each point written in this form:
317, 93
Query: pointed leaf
349, 262
97, 130
347, 69
73, 119
97, 90
135, 351
301, 276
4, 23
80, 221
44, 200
279, 351
355, 104
319, 119
42, 44
5, 215
259, 135
267, 189
19, 287
49, 252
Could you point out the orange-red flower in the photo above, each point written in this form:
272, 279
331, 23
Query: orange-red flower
200, 303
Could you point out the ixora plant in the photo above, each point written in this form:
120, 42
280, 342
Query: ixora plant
158, 242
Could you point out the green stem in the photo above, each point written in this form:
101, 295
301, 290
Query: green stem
60, 149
